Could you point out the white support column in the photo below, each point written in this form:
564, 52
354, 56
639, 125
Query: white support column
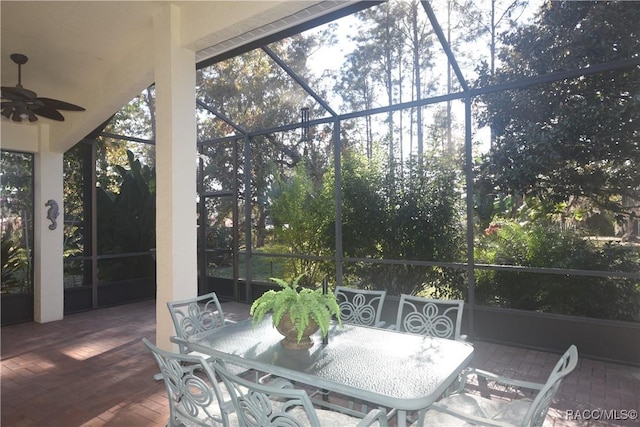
48, 289
176, 221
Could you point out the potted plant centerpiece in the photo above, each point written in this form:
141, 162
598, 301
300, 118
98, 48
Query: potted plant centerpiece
297, 312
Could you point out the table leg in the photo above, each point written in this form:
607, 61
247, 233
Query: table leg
401, 418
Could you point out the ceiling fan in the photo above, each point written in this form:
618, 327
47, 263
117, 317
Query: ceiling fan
23, 103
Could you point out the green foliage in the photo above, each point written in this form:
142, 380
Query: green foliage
220, 239
75, 189
17, 226
573, 137
565, 156
414, 218
127, 218
17, 184
303, 217
545, 245
301, 305
255, 93
364, 217
15, 264
137, 118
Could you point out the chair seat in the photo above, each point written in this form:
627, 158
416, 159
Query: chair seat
206, 357
279, 403
464, 409
331, 418
197, 353
215, 411
233, 369
215, 407
511, 412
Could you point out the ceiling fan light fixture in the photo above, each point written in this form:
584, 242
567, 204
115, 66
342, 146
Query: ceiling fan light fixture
25, 104
20, 113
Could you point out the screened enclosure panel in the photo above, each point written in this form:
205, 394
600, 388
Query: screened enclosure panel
563, 176
17, 222
293, 192
585, 296
249, 92
522, 193
368, 59
126, 268
218, 232
402, 187
218, 165
265, 266
397, 279
78, 169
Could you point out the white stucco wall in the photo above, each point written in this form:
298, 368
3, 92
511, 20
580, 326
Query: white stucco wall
19, 136
176, 215
48, 288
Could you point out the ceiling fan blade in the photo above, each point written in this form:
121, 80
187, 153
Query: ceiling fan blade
49, 113
59, 105
6, 111
18, 93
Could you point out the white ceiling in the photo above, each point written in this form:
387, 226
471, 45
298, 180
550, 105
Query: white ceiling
99, 54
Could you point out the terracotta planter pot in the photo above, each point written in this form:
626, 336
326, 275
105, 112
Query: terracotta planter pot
288, 329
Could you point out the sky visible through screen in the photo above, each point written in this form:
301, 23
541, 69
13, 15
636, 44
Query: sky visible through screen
328, 60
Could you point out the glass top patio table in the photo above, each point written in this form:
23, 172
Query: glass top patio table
389, 368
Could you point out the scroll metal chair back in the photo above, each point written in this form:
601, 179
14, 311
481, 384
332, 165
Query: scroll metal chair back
195, 396
433, 317
540, 405
194, 315
472, 409
282, 405
360, 306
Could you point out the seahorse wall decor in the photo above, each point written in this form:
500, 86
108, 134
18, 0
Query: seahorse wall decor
52, 213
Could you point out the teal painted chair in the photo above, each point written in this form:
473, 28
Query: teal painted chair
466, 409
280, 405
195, 315
360, 306
196, 398
432, 317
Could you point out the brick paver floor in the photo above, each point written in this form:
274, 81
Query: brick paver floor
91, 369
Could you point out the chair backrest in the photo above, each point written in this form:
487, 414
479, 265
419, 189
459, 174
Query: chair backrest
433, 317
193, 391
259, 404
360, 306
194, 315
540, 406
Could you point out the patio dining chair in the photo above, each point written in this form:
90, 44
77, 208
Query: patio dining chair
264, 405
360, 306
195, 396
463, 409
433, 317
194, 315
191, 316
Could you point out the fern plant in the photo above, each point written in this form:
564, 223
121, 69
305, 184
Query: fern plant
303, 305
